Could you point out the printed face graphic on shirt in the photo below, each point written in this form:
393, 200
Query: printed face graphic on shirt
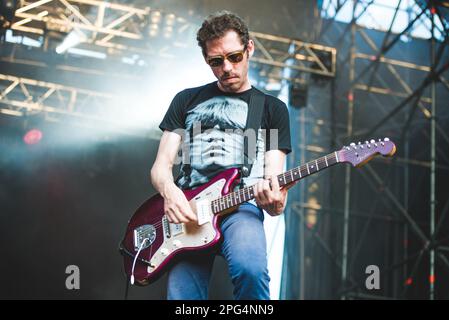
216, 138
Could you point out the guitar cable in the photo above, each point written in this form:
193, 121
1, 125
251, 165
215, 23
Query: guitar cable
131, 279
135, 259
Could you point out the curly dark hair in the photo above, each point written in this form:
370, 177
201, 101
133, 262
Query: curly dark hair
216, 25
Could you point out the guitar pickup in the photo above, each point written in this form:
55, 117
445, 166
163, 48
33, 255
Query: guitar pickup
176, 228
203, 211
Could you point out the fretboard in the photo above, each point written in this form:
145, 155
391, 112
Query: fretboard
245, 194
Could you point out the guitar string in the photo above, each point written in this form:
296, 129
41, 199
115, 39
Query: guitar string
324, 160
229, 197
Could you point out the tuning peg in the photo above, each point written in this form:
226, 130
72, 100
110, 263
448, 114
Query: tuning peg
372, 141
352, 144
387, 139
380, 140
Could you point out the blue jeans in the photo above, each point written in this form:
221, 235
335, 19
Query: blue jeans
244, 249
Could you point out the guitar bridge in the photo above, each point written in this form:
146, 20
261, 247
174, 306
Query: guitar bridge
146, 231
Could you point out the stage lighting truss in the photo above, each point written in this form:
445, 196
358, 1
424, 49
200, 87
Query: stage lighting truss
120, 29
113, 27
22, 97
279, 53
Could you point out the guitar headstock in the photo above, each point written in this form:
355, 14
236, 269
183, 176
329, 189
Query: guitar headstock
361, 153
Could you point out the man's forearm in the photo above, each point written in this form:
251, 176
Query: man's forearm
162, 178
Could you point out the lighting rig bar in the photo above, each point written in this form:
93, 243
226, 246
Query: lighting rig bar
120, 28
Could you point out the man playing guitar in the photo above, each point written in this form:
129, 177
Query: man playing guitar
220, 111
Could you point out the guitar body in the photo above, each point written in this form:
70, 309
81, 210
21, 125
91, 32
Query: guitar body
164, 240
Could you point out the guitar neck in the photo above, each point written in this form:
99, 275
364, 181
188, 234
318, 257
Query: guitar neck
245, 194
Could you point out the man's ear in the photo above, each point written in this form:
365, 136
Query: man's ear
250, 47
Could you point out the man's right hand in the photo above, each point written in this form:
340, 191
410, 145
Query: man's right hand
176, 206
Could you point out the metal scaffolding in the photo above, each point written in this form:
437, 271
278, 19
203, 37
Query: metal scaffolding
363, 75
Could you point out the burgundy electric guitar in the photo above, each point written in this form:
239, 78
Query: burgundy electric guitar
151, 241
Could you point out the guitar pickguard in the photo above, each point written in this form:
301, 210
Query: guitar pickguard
189, 235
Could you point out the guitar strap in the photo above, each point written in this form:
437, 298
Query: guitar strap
253, 122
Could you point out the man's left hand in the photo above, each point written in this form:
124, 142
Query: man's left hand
269, 196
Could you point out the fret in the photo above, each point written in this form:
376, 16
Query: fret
308, 170
251, 192
325, 158
336, 156
317, 168
332, 159
299, 170
291, 175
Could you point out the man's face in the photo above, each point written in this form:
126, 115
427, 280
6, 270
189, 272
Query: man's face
232, 77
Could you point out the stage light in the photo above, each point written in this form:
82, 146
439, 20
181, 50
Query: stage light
74, 38
170, 19
325, 58
298, 95
33, 136
7, 12
155, 17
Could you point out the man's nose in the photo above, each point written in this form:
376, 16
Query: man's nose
227, 66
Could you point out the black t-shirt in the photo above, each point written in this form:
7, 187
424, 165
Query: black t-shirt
211, 123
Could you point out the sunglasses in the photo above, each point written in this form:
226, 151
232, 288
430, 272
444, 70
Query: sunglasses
233, 57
